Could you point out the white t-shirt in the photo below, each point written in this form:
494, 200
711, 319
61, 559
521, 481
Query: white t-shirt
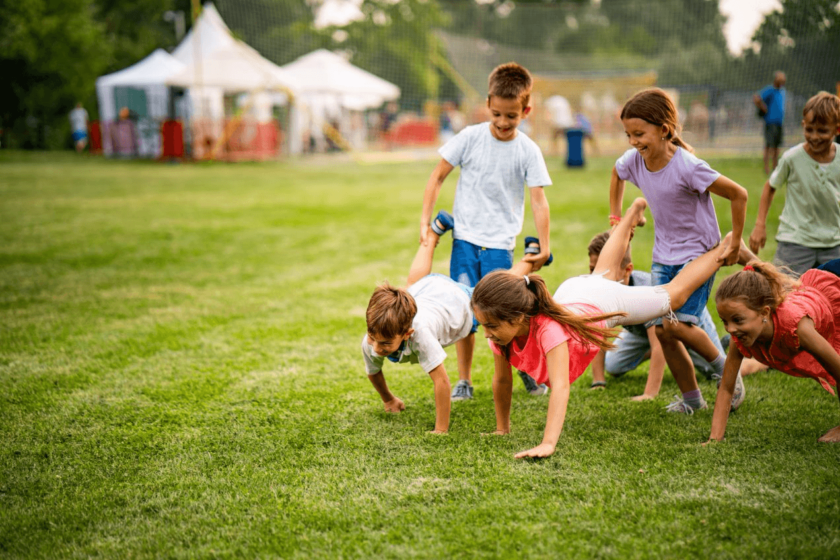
490, 198
443, 318
79, 119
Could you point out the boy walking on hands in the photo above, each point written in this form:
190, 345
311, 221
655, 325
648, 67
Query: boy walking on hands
496, 162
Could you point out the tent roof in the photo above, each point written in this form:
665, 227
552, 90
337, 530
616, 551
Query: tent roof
152, 70
322, 71
223, 61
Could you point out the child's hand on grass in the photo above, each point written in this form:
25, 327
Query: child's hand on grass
640, 398
394, 406
542, 450
831, 436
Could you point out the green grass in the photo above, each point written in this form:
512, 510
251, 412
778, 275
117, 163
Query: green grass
180, 377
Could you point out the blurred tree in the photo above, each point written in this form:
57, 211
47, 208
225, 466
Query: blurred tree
802, 39
50, 53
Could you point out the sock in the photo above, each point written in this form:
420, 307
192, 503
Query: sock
694, 399
718, 364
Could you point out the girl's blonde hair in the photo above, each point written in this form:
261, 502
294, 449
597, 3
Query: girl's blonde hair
657, 108
507, 297
759, 284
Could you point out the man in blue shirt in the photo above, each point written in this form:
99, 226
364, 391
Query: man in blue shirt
771, 106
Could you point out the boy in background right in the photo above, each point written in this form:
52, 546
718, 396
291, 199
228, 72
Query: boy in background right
809, 226
637, 343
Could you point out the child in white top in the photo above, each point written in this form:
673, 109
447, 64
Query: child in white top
677, 185
496, 160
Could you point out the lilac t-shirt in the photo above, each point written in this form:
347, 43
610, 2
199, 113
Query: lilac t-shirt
686, 224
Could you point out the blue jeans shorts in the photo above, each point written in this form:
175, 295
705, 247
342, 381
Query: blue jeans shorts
470, 263
690, 312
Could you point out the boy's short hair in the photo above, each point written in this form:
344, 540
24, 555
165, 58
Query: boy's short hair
510, 81
826, 108
597, 245
390, 311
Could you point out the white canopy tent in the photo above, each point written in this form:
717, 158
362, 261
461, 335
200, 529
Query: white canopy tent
147, 76
327, 87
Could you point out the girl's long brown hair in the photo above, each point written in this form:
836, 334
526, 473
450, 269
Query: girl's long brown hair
507, 297
764, 285
657, 108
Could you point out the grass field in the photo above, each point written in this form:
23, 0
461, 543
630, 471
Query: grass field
180, 377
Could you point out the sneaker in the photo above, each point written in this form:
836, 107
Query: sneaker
531, 385
681, 407
725, 341
737, 394
463, 391
443, 222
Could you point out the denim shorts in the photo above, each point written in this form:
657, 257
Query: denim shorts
470, 263
690, 312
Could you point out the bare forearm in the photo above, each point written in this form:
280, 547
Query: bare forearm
616, 194
723, 401
739, 215
557, 403
378, 382
502, 390
767, 195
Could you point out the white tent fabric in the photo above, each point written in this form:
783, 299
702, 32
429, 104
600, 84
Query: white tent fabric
323, 72
150, 74
215, 63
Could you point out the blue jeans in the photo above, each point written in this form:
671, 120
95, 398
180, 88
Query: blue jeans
470, 263
690, 312
630, 349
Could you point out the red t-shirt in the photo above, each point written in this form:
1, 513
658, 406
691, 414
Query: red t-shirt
527, 353
818, 298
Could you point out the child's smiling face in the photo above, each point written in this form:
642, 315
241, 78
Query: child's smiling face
500, 332
505, 116
744, 323
818, 135
646, 137
383, 346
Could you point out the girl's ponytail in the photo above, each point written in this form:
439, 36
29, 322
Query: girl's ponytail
758, 285
507, 297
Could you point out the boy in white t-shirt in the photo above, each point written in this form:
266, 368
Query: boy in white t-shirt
414, 324
497, 162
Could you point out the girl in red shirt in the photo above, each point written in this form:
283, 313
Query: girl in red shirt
555, 339
792, 326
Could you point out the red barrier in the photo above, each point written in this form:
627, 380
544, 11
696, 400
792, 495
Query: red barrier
95, 135
173, 139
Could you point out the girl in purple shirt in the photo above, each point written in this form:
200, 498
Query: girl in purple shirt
678, 188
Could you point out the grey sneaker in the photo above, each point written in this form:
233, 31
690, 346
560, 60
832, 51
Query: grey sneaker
737, 394
681, 407
463, 391
531, 385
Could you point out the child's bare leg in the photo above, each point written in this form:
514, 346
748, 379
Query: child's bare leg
464, 350
522, 268
745, 255
609, 260
694, 275
678, 360
422, 264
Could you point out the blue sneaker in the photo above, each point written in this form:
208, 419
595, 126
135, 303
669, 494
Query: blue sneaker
532, 247
443, 222
531, 385
725, 341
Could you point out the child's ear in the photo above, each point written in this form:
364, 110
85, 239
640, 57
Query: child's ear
408, 334
525, 111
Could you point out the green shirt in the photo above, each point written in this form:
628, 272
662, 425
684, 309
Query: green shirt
811, 216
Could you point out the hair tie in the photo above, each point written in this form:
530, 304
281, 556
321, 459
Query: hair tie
527, 280
749, 267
